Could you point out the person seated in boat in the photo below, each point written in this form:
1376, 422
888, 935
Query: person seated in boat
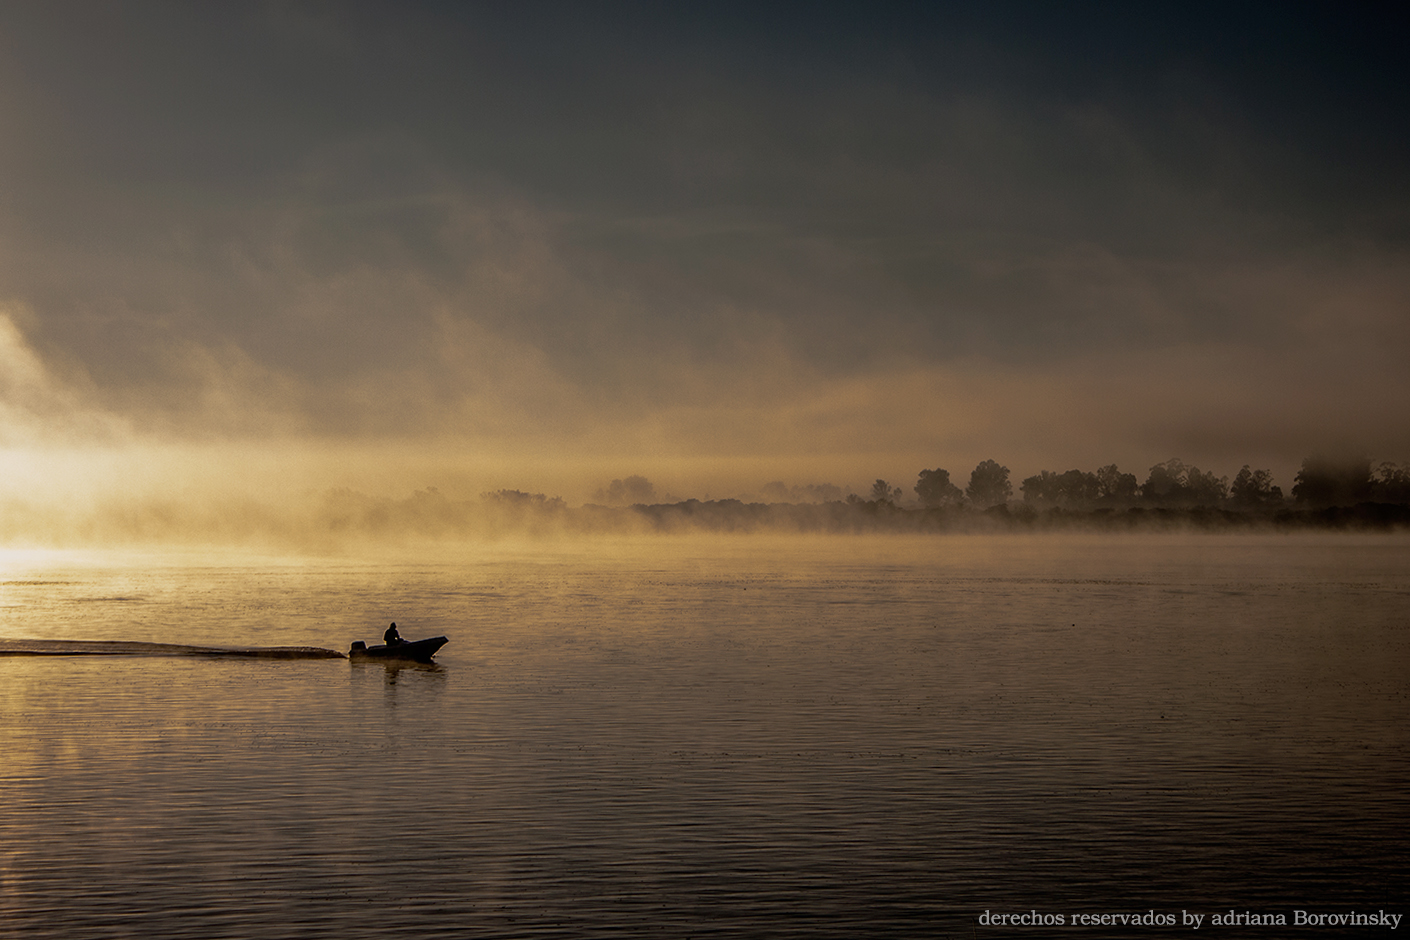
392, 637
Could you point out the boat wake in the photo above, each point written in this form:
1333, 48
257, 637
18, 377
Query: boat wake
9, 647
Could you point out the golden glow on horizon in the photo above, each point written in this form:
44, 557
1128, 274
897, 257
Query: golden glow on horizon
72, 472
16, 563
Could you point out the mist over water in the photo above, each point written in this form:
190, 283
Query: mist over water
739, 737
653, 378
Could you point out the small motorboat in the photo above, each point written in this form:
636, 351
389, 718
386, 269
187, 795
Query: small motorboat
419, 651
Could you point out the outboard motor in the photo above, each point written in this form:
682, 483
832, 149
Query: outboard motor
358, 646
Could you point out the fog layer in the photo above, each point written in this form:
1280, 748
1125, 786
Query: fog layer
267, 250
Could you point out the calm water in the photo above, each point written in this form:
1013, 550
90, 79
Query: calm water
835, 738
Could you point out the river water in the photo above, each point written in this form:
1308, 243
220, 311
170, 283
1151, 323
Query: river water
750, 737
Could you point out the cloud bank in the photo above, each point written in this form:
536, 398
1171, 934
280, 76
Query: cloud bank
393, 246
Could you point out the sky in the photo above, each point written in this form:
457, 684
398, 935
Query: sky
257, 247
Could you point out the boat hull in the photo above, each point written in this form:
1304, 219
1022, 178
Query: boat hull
419, 651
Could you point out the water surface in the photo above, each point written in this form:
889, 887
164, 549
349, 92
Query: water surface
753, 737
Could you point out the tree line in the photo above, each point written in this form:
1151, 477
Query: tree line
1321, 482
1326, 493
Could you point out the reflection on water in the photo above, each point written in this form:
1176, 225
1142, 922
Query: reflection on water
419, 675
841, 738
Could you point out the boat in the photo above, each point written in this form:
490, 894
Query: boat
419, 651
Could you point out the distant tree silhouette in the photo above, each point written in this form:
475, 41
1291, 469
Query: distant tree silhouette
883, 492
1331, 481
1176, 483
779, 491
1115, 485
776, 491
1078, 489
520, 498
1392, 484
1041, 488
1206, 488
1253, 488
634, 489
1071, 490
935, 489
989, 485
1165, 480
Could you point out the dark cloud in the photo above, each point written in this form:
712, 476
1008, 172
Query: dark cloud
664, 229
